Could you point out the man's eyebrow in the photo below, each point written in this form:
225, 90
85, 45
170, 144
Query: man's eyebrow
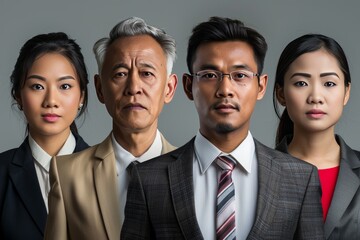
146, 64
208, 66
119, 65
214, 67
242, 66
123, 65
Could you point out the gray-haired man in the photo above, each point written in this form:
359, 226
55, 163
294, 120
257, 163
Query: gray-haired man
88, 190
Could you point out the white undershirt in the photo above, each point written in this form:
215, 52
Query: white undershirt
123, 159
245, 179
42, 163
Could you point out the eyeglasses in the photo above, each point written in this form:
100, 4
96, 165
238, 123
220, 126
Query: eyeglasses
240, 77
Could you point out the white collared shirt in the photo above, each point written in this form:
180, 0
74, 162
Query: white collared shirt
42, 163
245, 178
123, 159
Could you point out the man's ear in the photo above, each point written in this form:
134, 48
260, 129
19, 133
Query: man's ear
263, 79
99, 93
279, 91
187, 84
170, 88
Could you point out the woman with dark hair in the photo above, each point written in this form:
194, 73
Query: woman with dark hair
313, 84
49, 85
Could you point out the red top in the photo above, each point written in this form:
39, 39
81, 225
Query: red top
328, 178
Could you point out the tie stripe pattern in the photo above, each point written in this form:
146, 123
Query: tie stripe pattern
225, 208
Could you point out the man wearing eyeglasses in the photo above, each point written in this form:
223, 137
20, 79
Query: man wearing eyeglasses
224, 184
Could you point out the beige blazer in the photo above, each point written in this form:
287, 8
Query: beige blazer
83, 202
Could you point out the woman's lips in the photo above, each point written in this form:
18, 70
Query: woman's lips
315, 113
50, 117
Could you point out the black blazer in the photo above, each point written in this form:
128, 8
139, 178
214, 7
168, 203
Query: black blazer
343, 218
22, 208
160, 201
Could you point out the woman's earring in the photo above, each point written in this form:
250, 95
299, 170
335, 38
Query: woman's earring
80, 107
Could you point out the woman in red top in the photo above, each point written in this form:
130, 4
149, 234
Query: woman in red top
313, 84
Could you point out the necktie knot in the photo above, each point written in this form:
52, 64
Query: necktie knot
226, 162
131, 166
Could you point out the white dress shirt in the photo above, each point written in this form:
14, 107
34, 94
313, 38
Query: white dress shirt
245, 178
123, 159
42, 163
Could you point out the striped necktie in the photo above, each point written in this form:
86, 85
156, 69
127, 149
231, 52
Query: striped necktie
225, 207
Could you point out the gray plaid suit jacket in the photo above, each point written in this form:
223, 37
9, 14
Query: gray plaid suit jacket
160, 203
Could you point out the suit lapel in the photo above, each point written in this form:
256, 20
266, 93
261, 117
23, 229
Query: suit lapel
268, 187
23, 175
182, 192
346, 187
105, 183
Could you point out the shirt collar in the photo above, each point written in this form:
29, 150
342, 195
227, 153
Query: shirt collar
243, 153
43, 158
124, 158
154, 150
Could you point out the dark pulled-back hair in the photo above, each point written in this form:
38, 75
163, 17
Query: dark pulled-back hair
219, 29
41, 44
301, 45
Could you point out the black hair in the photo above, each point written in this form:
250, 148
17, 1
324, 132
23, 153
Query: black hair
301, 45
39, 45
219, 29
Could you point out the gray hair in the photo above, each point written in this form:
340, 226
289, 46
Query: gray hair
134, 26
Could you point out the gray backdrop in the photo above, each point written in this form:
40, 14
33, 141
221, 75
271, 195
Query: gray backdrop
280, 21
